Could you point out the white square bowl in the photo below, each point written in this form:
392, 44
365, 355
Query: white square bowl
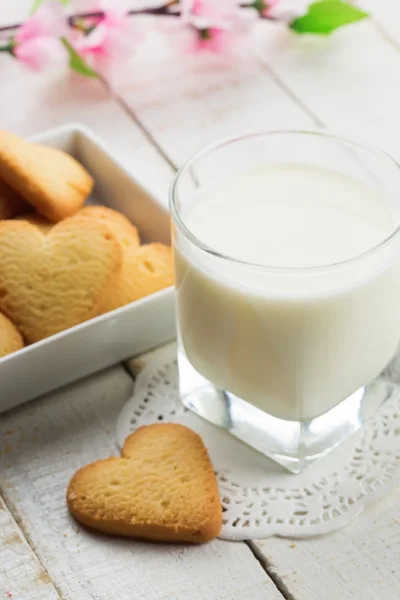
114, 336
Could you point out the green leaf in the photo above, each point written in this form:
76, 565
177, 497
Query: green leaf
324, 17
76, 62
37, 3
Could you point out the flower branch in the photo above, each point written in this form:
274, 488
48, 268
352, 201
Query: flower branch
94, 40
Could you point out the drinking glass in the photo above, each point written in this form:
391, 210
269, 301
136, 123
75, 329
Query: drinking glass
291, 360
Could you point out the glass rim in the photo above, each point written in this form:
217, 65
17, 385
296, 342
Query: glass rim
327, 134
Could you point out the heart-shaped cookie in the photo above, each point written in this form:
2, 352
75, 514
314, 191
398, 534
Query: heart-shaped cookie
126, 233
121, 228
38, 220
145, 270
47, 178
49, 283
163, 488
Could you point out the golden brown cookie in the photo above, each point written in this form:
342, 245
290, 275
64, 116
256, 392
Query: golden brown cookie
145, 270
10, 338
49, 283
11, 203
43, 224
50, 180
121, 226
163, 488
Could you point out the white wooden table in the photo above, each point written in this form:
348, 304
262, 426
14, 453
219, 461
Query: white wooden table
166, 112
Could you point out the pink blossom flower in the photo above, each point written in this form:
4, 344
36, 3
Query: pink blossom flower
213, 25
48, 21
37, 42
111, 43
286, 10
41, 52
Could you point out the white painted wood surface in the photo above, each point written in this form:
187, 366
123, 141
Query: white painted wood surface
350, 82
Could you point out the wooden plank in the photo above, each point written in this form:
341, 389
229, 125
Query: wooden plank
21, 574
187, 102
350, 80
42, 444
361, 561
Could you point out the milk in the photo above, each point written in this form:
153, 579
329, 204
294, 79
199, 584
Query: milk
307, 327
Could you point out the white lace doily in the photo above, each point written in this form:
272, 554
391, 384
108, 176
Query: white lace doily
259, 497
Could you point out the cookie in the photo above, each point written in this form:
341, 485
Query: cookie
11, 203
43, 224
49, 283
163, 488
145, 270
121, 226
53, 182
10, 338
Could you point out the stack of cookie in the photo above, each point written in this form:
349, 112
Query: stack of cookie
62, 263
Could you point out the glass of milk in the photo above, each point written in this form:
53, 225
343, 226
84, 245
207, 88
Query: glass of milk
287, 255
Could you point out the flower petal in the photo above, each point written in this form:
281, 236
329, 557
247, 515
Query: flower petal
41, 52
48, 21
